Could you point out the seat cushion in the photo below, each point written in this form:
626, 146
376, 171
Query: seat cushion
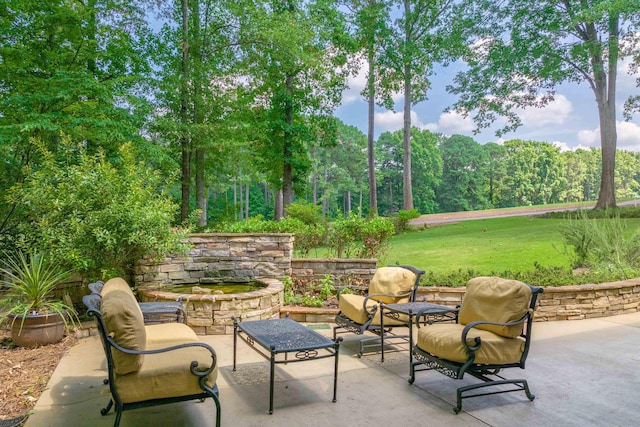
393, 281
124, 322
444, 340
166, 375
166, 334
498, 300
352, 307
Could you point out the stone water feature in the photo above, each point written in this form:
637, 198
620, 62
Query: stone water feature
221, 258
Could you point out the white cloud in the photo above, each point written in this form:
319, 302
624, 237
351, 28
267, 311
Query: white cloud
451, 122
355, 85
564, 146
628, 136
554, 113
392, 120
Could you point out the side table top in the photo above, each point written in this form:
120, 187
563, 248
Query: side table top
284, 335
423, 307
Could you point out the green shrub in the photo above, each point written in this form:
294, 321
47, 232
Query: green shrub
307, 236
306, 212
401, 220
96, 218
539, 276
360, 237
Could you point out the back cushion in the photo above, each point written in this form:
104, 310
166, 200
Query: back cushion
124, 322
394, 281
495, 300
118, 284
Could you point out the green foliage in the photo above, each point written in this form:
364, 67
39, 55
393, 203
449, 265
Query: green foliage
326, 286
306, 212
602, 243
353, 236
538, 276
463, 175
31, 279
94, 217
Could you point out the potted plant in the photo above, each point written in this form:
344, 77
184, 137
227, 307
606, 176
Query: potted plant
36, 317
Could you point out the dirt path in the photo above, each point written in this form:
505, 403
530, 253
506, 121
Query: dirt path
442, 218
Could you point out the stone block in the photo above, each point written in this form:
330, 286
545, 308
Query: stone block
199, 330
195, 322
601, 302
216, 330
169, 268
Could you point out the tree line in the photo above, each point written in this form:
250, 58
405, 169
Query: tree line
235, 99
450, 174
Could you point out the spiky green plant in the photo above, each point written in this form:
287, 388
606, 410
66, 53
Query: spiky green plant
31, 279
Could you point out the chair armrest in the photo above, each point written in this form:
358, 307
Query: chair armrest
469, 326
194, 364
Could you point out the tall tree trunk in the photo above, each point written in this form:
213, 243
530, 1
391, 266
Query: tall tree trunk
407, 193
348, 201
240, 199
371, 92
246, 195
235, 198
201, 189
184, 115
198, 114
287, 175
324, 194
278, 209
605, 91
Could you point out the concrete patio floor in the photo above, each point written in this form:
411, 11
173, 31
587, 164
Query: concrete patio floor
583, 373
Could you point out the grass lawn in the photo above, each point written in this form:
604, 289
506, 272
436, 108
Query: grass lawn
485, 245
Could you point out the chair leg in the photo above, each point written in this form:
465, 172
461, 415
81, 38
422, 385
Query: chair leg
106, 409
118, 417
521, 385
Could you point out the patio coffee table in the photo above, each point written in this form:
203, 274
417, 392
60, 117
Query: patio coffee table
428, 312
281, 337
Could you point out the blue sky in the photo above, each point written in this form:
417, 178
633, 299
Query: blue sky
571, 121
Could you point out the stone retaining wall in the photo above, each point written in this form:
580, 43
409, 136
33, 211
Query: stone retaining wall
316, 268
229, 257
555, 303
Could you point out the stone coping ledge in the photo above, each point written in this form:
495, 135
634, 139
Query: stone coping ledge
573, 302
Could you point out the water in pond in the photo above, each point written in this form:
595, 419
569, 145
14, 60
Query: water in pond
226, 288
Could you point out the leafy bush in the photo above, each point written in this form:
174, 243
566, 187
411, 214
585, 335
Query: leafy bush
307, 236
539, 276
97, 218
360, 237
401, 221
347, 237
306, 212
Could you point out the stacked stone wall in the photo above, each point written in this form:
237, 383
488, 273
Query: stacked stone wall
316, 268
216, 258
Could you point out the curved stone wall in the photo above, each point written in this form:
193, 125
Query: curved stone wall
211, 314
216, 258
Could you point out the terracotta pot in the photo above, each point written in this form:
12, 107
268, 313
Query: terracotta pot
37, 329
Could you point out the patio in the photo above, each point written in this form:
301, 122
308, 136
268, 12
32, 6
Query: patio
582, 372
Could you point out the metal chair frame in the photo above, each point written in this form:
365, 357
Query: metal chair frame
489, 374
343, 322
93, 303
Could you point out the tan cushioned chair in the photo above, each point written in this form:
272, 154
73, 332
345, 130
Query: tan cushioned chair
493, 333
361, 313
164, 363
